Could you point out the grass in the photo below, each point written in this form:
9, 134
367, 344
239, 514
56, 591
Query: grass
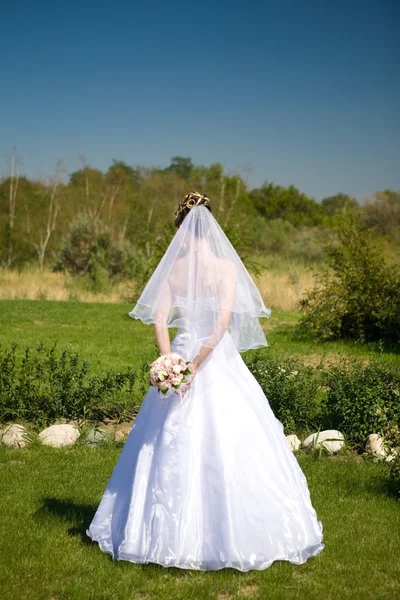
49, 496
108, 338
282, 285
103, 334
281, 335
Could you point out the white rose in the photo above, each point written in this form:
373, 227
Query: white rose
176, 368
163, 386
176, 380
167, 362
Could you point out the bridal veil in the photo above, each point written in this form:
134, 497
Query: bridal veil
201, 283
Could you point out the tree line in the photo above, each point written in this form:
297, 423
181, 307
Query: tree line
120, 220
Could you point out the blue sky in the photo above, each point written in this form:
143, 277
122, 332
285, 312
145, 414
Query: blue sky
302, 92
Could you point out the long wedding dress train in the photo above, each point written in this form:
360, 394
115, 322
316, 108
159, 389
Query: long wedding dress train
209, 481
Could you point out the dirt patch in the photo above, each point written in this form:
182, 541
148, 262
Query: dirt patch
313, 360
248, 591
326, 360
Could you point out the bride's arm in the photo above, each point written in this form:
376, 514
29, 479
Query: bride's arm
227, 295
161, 317
162, 338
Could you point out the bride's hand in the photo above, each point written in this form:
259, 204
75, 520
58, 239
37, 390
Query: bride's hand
194, 368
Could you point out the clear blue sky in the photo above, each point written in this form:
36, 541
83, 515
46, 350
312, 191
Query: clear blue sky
302, 92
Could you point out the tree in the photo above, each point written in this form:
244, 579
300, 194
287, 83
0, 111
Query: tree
88, 187
359, 296
338, 204
12, 200
40, 237
277, 202
383, 213
182, 167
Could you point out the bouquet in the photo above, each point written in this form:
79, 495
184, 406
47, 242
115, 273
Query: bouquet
171, 373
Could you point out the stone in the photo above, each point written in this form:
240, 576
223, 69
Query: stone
375, 445
331, 439
98, 436
14, 436
293, 441
122, 431
60, 435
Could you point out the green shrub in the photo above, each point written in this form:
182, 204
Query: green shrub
89, 251
392, 439
359, 297
42, 385
292, 390
394, 475
362, 398
307, 244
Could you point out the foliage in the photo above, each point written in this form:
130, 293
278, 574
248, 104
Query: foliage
338, 204
183, 167
291, 388
362, 398
274, 235
359, 297
394, 474
132, 206
392, 441
383, 212
307, 244
277, 202
42, 385
90, 251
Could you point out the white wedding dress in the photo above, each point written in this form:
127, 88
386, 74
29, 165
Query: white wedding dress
209, 481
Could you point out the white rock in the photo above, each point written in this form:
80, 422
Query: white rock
14, 436
59, 436
375, 445
293, 441
331, 439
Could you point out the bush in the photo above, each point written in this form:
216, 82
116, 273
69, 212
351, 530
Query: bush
362, 398
44, 385
392, 439
394, 475
292, 390
89, 251
359, 297
307, 244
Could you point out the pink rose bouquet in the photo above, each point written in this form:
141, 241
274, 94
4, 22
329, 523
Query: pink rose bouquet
170, 373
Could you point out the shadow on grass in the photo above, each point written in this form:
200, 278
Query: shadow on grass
79, 514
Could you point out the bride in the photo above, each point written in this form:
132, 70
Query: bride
206, 481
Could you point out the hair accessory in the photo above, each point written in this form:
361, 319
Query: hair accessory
190, 201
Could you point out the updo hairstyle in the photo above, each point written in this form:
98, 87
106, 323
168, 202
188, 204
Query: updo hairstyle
190, 201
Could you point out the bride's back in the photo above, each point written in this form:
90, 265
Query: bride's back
197, 281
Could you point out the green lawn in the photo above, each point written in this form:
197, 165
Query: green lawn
108, 338
48, 498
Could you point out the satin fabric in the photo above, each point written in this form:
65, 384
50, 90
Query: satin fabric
209, 481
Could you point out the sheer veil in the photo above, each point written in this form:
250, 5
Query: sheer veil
201, 286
